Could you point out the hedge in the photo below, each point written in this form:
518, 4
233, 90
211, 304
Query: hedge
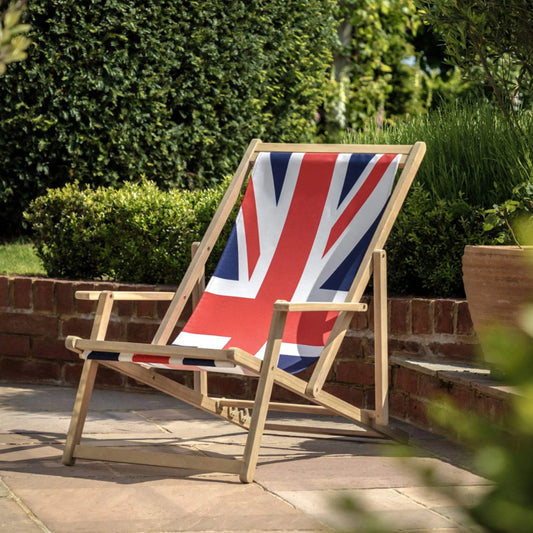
136, 233
169, 90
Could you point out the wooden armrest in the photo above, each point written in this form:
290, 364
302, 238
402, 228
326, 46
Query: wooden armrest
282, 305
126, 295
79, 345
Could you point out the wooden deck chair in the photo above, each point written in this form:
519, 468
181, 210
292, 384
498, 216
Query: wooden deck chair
309, 234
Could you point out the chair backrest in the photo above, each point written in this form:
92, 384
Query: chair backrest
309, 219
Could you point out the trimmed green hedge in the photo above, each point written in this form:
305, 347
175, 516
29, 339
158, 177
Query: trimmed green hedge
141, 234
169, 90
426, 245
137, 233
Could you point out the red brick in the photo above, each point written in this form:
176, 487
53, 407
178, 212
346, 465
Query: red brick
78, 326
464, 324
125, 308
405, 379
359, 321
49, 348
4, 291
354, 372
31, 324
105, 377
228, 386
462, 396
455, 350
493, 408
352, 347
443, 317
351, 394
404, 347
15, 345
417, 413
162, 308
145, 309
22, 293
140, 331
72, 373
398, 403
108, 378
430, 387
399, 315
30, 370
43, 295
369, 398
64, 295
84, 306
420, 310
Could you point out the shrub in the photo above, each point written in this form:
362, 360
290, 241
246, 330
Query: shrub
166, 89
137, 233
426, 244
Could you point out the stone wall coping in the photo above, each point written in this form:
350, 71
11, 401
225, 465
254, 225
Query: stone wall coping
476, 377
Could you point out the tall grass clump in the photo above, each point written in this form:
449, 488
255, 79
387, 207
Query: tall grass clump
473, 153
474, 160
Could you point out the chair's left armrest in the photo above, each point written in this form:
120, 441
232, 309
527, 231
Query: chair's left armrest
282, 305
127, 295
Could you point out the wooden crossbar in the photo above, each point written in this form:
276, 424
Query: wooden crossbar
173, 460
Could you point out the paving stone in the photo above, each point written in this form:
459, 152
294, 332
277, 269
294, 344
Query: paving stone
297, 479
129, 505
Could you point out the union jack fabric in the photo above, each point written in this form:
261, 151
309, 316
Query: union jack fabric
305, 223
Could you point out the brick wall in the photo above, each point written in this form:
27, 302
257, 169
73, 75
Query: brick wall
37, 314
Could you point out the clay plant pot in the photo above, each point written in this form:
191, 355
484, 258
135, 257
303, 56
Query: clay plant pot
498, 281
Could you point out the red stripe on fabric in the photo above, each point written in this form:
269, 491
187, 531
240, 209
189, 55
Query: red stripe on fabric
140, 358
249, 214
311, 328
366, 189
223, 315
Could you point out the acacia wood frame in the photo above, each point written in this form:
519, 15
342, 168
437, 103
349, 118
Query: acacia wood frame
237, 411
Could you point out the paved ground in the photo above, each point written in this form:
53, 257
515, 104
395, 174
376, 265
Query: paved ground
302, 482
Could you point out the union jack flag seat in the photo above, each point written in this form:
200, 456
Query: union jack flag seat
308, 235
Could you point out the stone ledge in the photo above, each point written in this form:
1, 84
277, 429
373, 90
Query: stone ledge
415, 383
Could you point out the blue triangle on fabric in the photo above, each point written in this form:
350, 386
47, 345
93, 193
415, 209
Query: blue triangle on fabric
228, 264
356, 166
279, 161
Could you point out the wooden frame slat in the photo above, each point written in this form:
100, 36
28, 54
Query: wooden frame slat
174, 460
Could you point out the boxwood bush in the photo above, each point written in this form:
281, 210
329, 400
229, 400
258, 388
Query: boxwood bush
170, 90
136, 233
426, 245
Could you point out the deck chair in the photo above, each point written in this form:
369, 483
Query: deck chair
307, 238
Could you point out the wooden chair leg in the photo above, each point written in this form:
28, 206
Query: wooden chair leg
88, 376
262, 397
79, 413
200, 382
200, 378
381, 359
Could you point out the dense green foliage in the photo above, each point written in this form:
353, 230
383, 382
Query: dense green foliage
472, 152
491, 41
137, 233
389, 65
426, 245
169, 90
472, 162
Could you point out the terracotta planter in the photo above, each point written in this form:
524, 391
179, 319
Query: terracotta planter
498, 281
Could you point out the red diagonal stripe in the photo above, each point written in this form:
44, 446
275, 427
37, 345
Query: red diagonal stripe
249, 214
